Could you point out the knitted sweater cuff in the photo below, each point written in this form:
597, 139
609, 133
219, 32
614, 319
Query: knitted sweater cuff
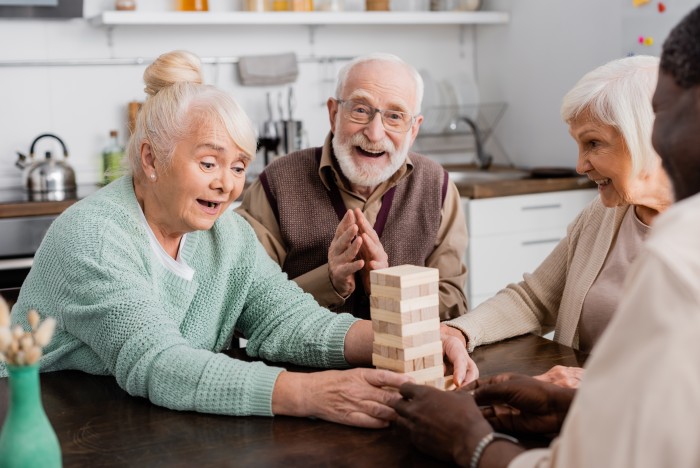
263, 384
337, 342
471, 330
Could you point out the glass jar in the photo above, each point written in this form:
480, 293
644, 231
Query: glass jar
192, 5
258, 5
329, 5
125, 5
377, 5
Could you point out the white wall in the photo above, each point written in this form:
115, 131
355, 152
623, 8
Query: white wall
81, 104
548, 45
529, 63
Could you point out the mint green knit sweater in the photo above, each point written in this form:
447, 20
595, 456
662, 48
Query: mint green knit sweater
120, 312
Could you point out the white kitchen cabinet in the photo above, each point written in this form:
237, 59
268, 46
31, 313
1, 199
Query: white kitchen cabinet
509, 236
313, 18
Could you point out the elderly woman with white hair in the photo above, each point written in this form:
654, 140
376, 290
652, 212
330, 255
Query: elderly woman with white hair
149, 277
577, 287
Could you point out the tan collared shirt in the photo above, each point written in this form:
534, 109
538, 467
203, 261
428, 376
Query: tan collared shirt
450, 245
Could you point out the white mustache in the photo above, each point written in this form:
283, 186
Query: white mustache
358, 139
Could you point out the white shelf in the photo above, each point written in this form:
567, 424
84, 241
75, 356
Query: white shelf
177, 18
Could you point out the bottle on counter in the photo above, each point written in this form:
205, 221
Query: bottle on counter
112, 156
125, 5
192, 5
377, 5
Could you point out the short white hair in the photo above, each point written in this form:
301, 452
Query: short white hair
381, 57
619, 94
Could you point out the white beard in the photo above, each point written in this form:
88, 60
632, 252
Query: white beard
366, 173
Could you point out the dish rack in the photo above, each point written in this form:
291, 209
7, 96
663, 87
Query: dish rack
453, 138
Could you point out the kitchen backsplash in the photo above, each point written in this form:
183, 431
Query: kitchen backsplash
81, 104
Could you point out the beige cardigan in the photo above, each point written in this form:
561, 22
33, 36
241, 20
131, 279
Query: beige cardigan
552, 296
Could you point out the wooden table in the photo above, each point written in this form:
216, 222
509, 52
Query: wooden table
98, 424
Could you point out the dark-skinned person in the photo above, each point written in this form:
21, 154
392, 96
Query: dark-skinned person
577, 288
638, 403
148, 278
363, 201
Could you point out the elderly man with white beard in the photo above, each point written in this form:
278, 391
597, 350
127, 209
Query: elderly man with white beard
363, 201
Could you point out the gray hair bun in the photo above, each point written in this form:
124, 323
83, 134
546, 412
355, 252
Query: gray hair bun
173, 67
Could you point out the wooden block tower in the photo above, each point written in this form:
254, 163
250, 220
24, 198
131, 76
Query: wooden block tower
404, 307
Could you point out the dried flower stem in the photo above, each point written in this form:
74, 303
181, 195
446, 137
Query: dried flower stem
19, 347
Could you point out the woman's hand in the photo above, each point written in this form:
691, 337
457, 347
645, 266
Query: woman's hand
567, 377
464, 369
446, 425
518, 403
356, 397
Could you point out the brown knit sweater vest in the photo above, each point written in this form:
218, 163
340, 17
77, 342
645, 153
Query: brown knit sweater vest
308, 215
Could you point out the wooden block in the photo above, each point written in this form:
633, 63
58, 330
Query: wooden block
380, 327
406, 329
404, 276
382, 315
403, 342
418, 364
409, 292
427, 313
397, 365
439, 383
433, 359
383, 350
421, 351
428, 289
393, 352
420, 327
427, 374
403, 306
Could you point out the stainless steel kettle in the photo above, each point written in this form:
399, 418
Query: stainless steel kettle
48, 179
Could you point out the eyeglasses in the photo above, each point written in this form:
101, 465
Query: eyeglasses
393, 121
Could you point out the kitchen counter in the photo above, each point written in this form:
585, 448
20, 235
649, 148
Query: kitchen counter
502, 181
504, 188
17, 202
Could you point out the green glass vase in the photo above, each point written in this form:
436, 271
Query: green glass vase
27, 438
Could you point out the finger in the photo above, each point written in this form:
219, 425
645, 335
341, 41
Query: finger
457, 355
404, 422
360, 419
386, 378
472, 372
411, 390
497, 393
485, 382
376, 409
347, 221
342, 241
373, 251
362, 222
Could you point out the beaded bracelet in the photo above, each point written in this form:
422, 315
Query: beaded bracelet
484, 442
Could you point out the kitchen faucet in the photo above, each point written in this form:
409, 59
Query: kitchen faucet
483, 160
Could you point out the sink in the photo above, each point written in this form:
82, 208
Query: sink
477, 176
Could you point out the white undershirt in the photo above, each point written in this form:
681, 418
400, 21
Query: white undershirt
177, 266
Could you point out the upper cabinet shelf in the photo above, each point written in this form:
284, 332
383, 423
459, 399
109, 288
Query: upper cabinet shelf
145, 18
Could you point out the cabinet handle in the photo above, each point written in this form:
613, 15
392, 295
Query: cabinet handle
540, 241
16, 263
542, 207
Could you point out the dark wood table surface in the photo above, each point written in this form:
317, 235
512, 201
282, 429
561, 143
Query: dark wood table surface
98, 424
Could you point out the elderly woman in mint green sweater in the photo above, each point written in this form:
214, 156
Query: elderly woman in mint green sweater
148, 278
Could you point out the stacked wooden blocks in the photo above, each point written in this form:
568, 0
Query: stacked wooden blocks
404, 306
